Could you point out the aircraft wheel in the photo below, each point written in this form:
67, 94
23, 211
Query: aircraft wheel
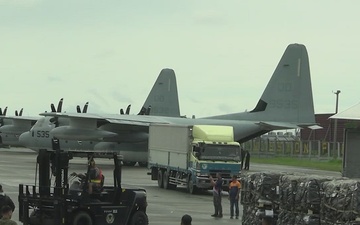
139, 218
82, 218
160, 179
166, 180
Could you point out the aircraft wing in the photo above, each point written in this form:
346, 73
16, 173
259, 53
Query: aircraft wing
106, 126
17, 124
286, 125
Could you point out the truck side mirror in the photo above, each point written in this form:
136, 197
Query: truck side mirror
197, 154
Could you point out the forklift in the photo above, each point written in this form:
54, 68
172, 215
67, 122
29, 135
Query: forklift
62, 204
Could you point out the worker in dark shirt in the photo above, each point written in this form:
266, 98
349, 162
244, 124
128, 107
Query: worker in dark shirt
217, 188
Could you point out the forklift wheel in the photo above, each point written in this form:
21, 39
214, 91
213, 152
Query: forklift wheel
139, 218
82, 218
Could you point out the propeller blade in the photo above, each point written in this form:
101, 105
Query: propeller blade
148, 110
0, 111
128, 109
21, 111
16, 113
59, 108
142, 111
86, 107
78, 109
121, 111
52, 107
5, 110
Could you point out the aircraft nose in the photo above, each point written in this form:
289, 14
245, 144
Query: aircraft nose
24, 138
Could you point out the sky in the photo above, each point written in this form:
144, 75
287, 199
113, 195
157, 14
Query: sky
223, 52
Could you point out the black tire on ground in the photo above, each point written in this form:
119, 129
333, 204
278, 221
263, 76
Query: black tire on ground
143, 164
192, 189
166, 180
160, 179
139, 218
129, 163
82, 218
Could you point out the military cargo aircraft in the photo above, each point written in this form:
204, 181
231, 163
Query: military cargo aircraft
286, 103
161, 101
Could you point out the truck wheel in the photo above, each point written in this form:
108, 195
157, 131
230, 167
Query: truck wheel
160, 179
129, 163
192, 187
143, 164
82, 218
139, 218
166, 180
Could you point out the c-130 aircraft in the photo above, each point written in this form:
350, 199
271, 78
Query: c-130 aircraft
161, 101
286, 103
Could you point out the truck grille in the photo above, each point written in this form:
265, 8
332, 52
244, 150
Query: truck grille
224, 173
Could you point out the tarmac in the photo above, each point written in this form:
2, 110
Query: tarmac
18, 166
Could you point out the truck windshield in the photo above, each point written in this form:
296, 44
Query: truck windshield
220, 152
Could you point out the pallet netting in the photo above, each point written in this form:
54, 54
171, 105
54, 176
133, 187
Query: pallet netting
340, 202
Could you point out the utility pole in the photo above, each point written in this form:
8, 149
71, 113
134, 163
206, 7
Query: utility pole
335, 122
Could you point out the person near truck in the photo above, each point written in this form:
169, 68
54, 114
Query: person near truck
242, 157
234, 193
217, 188
247, 160
5, 200
6, 213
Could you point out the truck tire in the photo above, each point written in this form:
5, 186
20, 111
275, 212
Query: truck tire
192, 189
129, 163
160, 179
139, 218
166, 180
82, 218
143, 164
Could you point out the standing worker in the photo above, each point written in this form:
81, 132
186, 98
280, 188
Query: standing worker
234, 193
5, 200
247, 160
242, 153
217, 188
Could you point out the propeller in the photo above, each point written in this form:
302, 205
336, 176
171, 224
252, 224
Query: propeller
142, 111
78, 109
148, 110
127, 110
55, 120
19, 113
145, 111
3, 113
85, 107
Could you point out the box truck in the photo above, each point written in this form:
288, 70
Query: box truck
188, 154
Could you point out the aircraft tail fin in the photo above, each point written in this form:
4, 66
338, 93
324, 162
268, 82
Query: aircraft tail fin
163, 98
287, 100
288, 95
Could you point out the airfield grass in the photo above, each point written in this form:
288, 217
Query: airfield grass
329, 165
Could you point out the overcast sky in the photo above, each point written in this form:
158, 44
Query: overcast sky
223, 52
